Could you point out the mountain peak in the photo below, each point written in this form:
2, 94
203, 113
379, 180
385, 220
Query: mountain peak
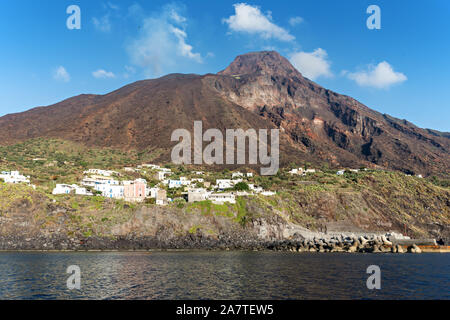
261, 62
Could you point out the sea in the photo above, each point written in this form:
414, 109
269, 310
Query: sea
236, 275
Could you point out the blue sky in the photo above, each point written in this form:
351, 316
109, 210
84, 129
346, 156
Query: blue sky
401, 69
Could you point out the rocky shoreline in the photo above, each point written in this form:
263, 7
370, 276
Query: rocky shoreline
362, 244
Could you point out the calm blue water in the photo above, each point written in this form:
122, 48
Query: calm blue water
223, 275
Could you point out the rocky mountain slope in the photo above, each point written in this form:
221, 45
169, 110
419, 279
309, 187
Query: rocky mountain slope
257, 90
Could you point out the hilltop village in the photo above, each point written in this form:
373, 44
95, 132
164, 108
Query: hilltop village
164, 187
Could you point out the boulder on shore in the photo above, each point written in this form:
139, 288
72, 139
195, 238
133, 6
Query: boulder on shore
386, 241
414, 249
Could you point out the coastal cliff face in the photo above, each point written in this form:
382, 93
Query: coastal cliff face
258, 90
379, 203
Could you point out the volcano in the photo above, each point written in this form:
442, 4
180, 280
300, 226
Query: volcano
259, 90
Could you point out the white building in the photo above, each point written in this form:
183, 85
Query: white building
70, 188
110, 191
298, 171
243, 193
224, 184
92, 182
249, 174
175, 184
340, 172
62, 189
198, 194
100, 172
14, 177
161, 175
237, 174
221, 198
255, 188
185, 181
310, 171
268, 193
152, 192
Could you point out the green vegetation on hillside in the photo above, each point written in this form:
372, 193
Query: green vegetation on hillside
51, 161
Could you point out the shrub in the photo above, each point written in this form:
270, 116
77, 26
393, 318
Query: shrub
241, 186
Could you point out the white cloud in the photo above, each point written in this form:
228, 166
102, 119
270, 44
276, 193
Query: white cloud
295, 21
380, 76
312, 64
102, 74
162, 43
249, 19
184, 48
113, 6
102, 24
129, 71
61, 74
176, 17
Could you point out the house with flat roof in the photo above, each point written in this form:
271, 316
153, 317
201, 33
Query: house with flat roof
101, 172
110, 191
174, 184
221, 198
161, 197
198, 194
135, 191
71, 189
161, 175
14, 177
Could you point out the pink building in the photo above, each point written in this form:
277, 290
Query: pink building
134, 191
